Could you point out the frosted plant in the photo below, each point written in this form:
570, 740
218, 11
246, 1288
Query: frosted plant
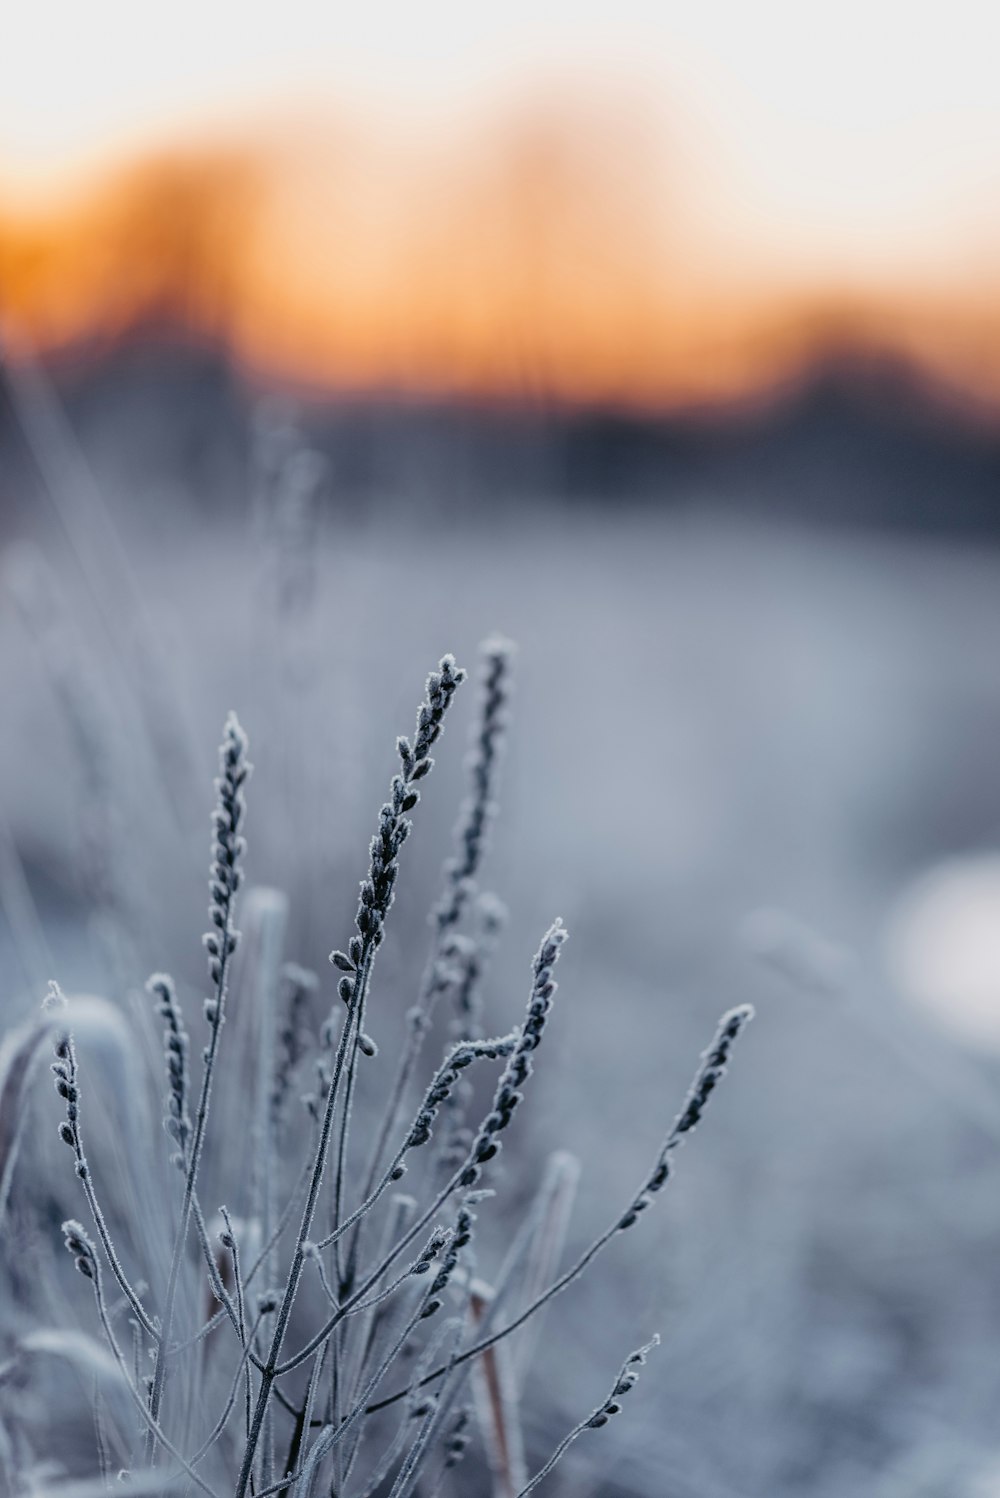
340, 1340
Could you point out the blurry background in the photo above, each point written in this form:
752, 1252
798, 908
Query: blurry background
666, 339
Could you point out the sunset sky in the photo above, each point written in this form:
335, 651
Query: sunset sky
661, 199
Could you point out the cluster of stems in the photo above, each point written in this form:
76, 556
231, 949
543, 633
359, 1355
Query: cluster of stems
375, 1305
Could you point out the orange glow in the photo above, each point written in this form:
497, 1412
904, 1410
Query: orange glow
552, 258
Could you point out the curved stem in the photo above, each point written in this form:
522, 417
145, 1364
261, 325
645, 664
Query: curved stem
268, 1373
191, 1176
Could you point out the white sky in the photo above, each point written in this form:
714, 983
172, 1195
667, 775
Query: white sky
843, 127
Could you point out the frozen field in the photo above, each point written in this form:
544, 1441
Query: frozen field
711, 720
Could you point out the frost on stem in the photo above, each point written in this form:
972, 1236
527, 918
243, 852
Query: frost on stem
518, 1069
479, 807
176, 1047
460, 1057
461, 1235
225, 878
628, 1377
228, 847
377, 890
65, 1072
713, 1068
80, 1246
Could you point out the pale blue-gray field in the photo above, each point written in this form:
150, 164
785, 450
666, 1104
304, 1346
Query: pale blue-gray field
735, 748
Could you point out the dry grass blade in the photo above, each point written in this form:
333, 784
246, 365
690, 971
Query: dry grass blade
19, 1055
496, 1403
